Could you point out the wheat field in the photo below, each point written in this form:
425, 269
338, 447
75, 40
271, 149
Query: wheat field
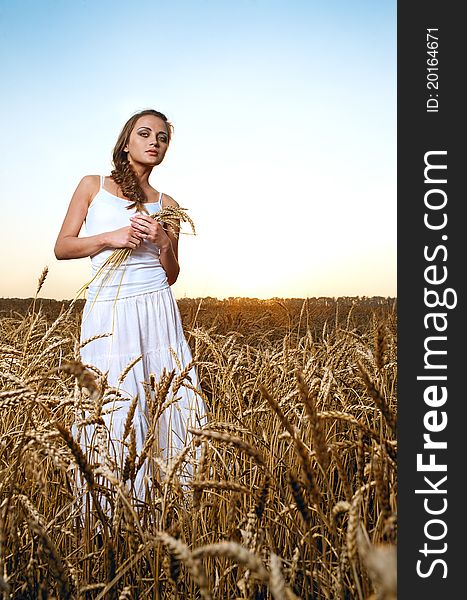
294, 488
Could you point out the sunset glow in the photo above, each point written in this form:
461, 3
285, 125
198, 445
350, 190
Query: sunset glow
284, 150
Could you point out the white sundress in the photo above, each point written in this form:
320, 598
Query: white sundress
140, 312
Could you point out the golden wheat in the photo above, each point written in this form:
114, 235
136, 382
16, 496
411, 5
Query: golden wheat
294, 488
170, 216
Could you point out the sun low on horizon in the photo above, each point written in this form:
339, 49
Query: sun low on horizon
284, 146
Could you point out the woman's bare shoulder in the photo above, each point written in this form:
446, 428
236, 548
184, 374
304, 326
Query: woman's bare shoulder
169, 201
87, 188
90, 182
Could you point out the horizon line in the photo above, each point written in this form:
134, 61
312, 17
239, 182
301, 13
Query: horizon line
215, 298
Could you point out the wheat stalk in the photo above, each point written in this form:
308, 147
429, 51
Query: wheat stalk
232, 486
378, 398
236, 552
319, 437
276, 579
190, 560
230, 439
322, 549
299, 498
170, 216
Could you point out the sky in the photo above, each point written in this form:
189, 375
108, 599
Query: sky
284, 146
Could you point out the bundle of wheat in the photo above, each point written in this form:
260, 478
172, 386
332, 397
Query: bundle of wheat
169, 216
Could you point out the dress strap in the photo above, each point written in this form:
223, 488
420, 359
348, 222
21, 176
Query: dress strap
102, 181
160, 198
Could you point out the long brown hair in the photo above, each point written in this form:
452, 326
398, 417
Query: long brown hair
123, 173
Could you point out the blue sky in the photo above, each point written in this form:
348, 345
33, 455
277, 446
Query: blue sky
284, 149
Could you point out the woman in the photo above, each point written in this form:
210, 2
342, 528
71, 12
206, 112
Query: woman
136, 307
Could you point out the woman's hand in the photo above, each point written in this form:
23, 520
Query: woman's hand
149, 229
126, 237
70, 245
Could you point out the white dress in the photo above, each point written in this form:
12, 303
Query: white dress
140, 312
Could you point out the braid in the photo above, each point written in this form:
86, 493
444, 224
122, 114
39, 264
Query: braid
125, 177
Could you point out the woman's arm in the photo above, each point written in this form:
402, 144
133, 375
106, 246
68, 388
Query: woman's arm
165, 240
169, 257
69, 245
169, 251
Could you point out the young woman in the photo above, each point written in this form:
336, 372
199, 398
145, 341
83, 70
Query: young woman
136, 308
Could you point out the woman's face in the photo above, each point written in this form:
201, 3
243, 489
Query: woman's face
148, 141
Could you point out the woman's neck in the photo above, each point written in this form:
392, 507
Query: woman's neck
142, 172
